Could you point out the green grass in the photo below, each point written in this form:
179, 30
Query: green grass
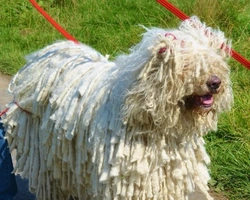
111, 26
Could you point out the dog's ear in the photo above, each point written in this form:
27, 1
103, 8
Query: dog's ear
165, 47
155, 92
165, 51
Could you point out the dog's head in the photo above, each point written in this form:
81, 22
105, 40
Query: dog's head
187, 75
198, 57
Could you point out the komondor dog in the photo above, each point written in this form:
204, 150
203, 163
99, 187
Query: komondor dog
133, 128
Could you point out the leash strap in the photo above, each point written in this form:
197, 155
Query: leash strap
164, 3
6, 110
50, 20
3, 112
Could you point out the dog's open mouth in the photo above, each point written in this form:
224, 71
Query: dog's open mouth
205, 101
199, 101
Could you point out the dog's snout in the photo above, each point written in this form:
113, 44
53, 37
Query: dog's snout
214, 83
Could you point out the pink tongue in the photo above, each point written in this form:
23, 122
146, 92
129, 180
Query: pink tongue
207, 99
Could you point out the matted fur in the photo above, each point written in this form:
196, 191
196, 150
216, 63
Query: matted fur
101, 130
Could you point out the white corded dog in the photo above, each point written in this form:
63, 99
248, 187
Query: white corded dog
129, 129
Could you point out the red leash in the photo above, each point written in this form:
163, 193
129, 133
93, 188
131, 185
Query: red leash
3, 112
183, 16
56, 25
164, 3
6, 110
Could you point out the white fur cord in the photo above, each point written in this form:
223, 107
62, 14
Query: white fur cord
105, 130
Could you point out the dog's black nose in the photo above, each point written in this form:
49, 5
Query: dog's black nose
213, 84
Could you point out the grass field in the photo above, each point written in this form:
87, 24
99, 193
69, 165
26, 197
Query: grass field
111, 26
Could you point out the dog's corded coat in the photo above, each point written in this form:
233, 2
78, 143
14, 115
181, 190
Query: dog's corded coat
95, 129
